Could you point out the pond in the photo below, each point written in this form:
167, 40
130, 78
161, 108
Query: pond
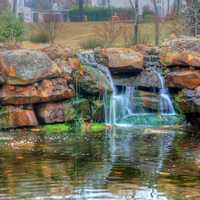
122, 164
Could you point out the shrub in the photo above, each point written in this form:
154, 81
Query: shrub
11, 27
92, 44
100, 13
39, 34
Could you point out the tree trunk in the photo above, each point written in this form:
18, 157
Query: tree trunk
157, 23
81, 3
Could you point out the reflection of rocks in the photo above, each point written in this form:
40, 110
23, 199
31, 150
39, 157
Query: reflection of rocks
15, 117
121, 59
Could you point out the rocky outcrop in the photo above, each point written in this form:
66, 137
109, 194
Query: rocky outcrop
16, 117
121, 59
183, 79
23, 67
44, 91
36, 89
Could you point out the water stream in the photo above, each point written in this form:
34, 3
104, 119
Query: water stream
120, 104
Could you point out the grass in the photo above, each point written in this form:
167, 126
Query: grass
74, 34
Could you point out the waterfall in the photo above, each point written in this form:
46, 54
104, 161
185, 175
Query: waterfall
117, 105
166, 105
121, 103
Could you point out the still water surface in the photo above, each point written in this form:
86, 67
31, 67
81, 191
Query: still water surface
123, 164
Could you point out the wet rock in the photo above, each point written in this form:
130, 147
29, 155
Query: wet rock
121, 59
148, 79
50, 113
23, 67
184, 79
90, 81
150, 101
98, 114
44, 91
67, 111
189, 103
16, 117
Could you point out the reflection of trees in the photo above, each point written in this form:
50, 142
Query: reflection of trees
125, 162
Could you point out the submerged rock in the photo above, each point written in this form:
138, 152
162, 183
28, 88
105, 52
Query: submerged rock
16, 117
183, 79
23, 67
121, 59
44, 91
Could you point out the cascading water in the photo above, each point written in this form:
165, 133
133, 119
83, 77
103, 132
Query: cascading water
166, 105
117, 105
120, 104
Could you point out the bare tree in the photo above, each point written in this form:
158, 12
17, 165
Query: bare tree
135, 8
157, 22
81, 13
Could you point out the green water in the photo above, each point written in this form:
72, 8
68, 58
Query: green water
122, 164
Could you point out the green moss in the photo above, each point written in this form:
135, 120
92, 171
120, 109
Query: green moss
96, 127
56, 128
65, 128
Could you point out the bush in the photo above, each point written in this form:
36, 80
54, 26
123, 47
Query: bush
39, 34
92, 44
11, 27
100, 13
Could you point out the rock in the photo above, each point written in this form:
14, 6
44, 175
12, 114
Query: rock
23, 67
184, 79
66, 111
182, 44
90, 81
16, 117
186, 58
121, 59
49, 113
148, 79
44, 91
98, 113
56, 52
189, 104
183, 51
150, 101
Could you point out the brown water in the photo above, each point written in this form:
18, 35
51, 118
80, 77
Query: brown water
126, 164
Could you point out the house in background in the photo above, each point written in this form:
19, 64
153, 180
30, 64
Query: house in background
39, 10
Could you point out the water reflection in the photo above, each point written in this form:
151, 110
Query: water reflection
130, 164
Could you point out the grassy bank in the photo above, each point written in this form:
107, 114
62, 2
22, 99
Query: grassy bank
73, 34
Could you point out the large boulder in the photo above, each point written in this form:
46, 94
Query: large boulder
185, 58
44, 91
91, 81
121, 59
16, 117
23, 67
183, 51
183, 79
